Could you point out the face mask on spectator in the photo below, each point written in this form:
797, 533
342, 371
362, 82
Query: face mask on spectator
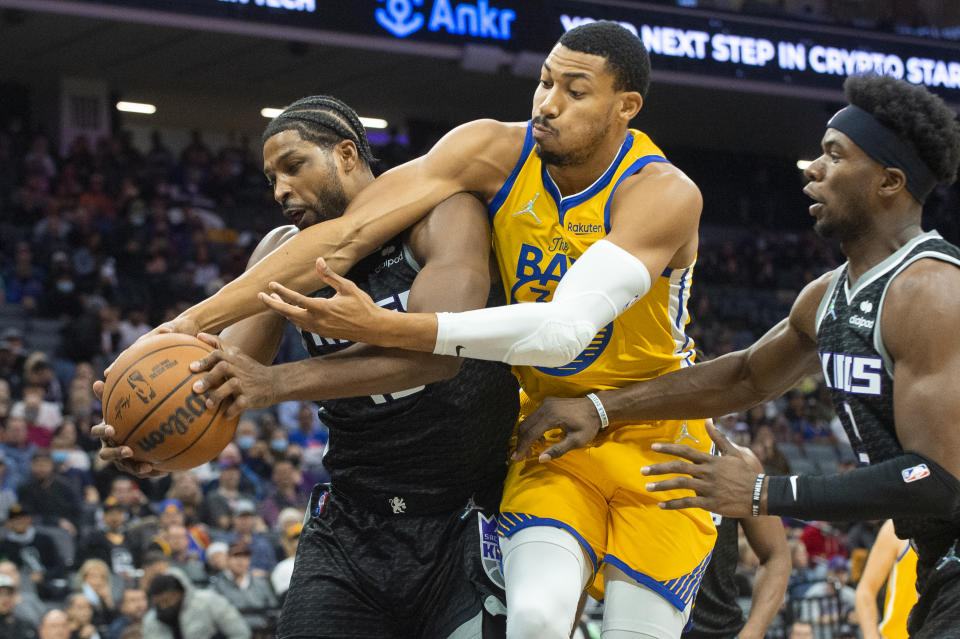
278, 445
59, 456
246, 442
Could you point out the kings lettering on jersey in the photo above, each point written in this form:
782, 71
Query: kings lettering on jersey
538, 236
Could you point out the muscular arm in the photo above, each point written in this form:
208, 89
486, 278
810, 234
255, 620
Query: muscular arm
879, 563
476, 157
766, 537
731, 383
452, 243
259, 335
919, 325
654, 218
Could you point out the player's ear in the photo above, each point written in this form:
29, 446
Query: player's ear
630, 103
347, 155
894, 181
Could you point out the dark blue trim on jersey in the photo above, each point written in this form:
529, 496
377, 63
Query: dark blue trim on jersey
564, 205
679, 592
504, 191
904, 553
638, 164
510, 523
681, 307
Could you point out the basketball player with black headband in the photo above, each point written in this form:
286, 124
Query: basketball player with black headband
881, 329
393, 546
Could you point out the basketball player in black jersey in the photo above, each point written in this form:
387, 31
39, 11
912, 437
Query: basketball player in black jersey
883, 331
402, 543
716, 613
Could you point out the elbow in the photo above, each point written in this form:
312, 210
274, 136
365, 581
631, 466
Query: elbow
555, 343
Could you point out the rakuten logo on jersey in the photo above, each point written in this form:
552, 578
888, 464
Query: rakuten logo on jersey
852, 373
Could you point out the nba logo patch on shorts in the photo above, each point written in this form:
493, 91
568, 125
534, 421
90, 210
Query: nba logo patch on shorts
490, 548
913, 474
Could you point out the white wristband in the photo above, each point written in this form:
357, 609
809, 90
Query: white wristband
604, 421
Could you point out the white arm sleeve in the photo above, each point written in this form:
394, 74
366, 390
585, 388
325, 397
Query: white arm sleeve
603, 283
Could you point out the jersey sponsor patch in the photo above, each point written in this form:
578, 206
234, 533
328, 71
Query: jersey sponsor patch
490, 548
916, 473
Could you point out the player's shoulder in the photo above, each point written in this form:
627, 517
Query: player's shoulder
803, 314
663, 178
926, 291
490, 137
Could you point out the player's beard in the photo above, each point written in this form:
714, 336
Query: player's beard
573, 157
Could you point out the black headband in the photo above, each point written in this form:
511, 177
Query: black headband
885, 147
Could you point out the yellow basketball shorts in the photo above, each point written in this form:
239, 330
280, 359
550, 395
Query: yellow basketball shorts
599, 496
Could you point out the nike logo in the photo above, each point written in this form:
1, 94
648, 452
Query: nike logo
459, 348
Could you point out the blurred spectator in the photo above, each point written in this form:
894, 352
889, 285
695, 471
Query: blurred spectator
38, 372
28, 605
181, 557
55, 625
288, 491
11, 625
94, 582
23, 279
765, 448
823, 541
217, 507
185, 489
17, 451
8, 496
33, 551
49, 497
252, 595
154, 563
280, 577
245, 525
133, 326
79, 618
5, 400
133, 607
216, 556
802, 575
836, 584
12, 359
42, 416
177, 609
110, 543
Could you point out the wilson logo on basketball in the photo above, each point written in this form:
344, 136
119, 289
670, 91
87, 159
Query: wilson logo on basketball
141, 387
178, 422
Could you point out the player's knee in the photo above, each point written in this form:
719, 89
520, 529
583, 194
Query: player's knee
528, 618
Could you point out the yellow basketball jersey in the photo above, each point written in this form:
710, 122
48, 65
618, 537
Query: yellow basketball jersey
901, 595
538, 235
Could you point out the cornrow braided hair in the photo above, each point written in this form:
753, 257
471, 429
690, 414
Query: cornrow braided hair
325, 121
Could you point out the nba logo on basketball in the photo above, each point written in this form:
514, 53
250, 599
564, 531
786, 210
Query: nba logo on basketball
141, 387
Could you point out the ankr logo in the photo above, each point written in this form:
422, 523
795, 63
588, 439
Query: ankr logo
477, 19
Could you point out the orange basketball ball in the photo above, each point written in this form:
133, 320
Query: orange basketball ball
149, 401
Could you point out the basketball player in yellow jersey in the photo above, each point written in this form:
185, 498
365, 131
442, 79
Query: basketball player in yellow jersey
892, 560
588, 218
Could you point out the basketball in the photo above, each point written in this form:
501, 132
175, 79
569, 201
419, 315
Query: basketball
147, 398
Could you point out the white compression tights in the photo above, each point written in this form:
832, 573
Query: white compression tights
545, 570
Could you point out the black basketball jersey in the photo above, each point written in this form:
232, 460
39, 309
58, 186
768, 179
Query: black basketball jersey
859, 372
716, 613
438, 442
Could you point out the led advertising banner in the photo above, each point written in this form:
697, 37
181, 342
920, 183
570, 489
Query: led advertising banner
684, 41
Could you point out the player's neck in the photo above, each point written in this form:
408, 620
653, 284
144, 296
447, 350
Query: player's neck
574, 178
863, 253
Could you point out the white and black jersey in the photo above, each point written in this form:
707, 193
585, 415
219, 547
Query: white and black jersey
429, 445
860, 373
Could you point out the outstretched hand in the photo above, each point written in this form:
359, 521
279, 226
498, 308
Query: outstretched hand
350, 314
723, 483
577, 418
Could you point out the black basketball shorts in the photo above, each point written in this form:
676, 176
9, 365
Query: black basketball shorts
936, 615
360, 574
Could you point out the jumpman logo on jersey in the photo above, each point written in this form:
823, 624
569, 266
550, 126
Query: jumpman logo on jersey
528, 208
685, 434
